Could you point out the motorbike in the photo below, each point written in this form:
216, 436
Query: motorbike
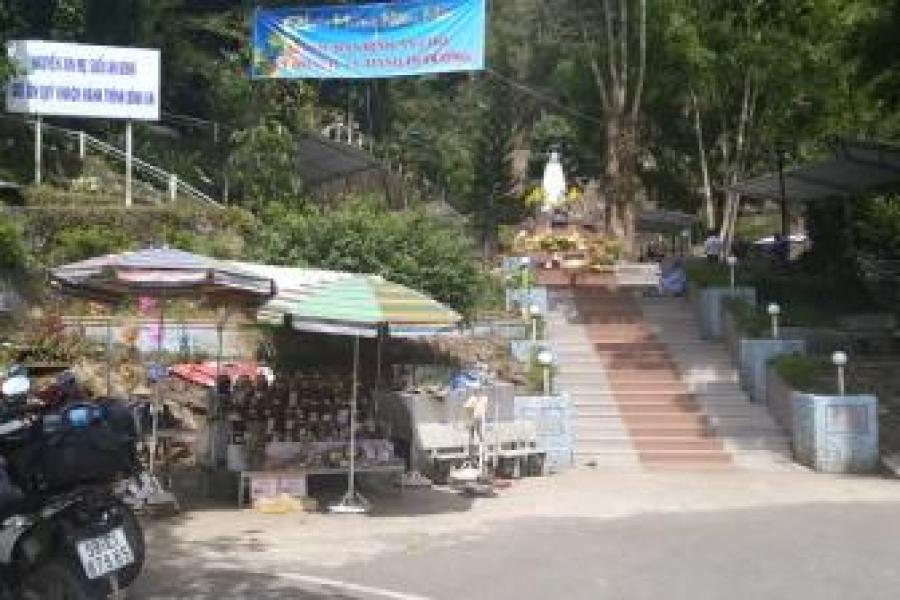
66, 529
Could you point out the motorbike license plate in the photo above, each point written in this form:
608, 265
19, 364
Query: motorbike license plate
105, 554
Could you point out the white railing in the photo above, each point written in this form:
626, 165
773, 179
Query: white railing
170, 181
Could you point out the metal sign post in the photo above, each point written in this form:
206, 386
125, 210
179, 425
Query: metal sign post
129, 153
38, 142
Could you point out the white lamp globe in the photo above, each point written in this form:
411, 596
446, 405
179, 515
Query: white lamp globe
545, 357
839, 358
774, 310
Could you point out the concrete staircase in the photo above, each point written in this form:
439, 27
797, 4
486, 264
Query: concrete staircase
649, 392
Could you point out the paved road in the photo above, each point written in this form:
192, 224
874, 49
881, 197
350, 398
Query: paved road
815, 551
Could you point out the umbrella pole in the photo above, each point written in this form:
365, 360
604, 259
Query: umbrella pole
213, 415
352, 502
353, 401
108, 356
378, 366
154, 411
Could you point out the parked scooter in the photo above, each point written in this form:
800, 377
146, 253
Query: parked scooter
64, 533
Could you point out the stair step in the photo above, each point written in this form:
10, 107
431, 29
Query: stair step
658, 408
655, 420
669, 457
651, 430
600, 395
675, 387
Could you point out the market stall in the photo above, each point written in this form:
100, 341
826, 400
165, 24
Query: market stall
354, 306
162, 273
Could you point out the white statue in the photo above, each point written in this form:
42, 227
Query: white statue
554, 183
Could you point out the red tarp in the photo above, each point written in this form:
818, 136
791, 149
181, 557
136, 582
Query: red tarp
204, 374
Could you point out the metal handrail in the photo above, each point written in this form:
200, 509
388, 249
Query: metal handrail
159, 175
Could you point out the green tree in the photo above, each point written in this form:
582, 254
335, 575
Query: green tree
12, 246
494, 199
263, 163
611, 39
749, 75
361, 236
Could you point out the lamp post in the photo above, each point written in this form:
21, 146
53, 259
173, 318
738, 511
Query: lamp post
731, 261
774, 310
545, 359
839, 359
780, 149
534, 312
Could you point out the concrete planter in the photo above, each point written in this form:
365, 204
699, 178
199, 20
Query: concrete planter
755, 355
836, 434
554, 418
779, 399
709, 305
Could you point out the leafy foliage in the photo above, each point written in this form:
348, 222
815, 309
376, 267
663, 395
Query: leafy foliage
12, 246
79, 243
361, 236
494, 201
801, 372
59, 235
878, 227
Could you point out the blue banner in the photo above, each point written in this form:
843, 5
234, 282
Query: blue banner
369, 41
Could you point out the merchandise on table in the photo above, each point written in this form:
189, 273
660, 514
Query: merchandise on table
300, 422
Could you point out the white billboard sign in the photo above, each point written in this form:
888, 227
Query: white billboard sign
77, 80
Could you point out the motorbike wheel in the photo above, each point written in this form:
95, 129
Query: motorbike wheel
57, 580
134, 533
5, 592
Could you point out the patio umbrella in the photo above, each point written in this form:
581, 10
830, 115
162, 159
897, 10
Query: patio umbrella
161, 273
361, 306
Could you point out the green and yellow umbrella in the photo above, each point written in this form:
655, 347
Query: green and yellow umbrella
357, 306
365, 306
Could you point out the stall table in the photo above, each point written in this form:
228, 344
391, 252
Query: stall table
247, 476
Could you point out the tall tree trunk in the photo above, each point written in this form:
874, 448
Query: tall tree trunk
612, 173
709, 204
735, 165
619, 78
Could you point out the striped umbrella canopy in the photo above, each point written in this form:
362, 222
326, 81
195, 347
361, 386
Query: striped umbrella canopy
361, 305
160, 272
293, 284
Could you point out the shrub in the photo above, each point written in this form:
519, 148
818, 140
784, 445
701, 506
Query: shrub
804, 373
85, 242
12, 245
706, 274
362, 236
749, 319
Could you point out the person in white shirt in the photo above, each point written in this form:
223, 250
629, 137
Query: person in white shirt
712, 247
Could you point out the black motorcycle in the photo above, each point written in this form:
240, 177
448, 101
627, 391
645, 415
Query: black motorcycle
65, 533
